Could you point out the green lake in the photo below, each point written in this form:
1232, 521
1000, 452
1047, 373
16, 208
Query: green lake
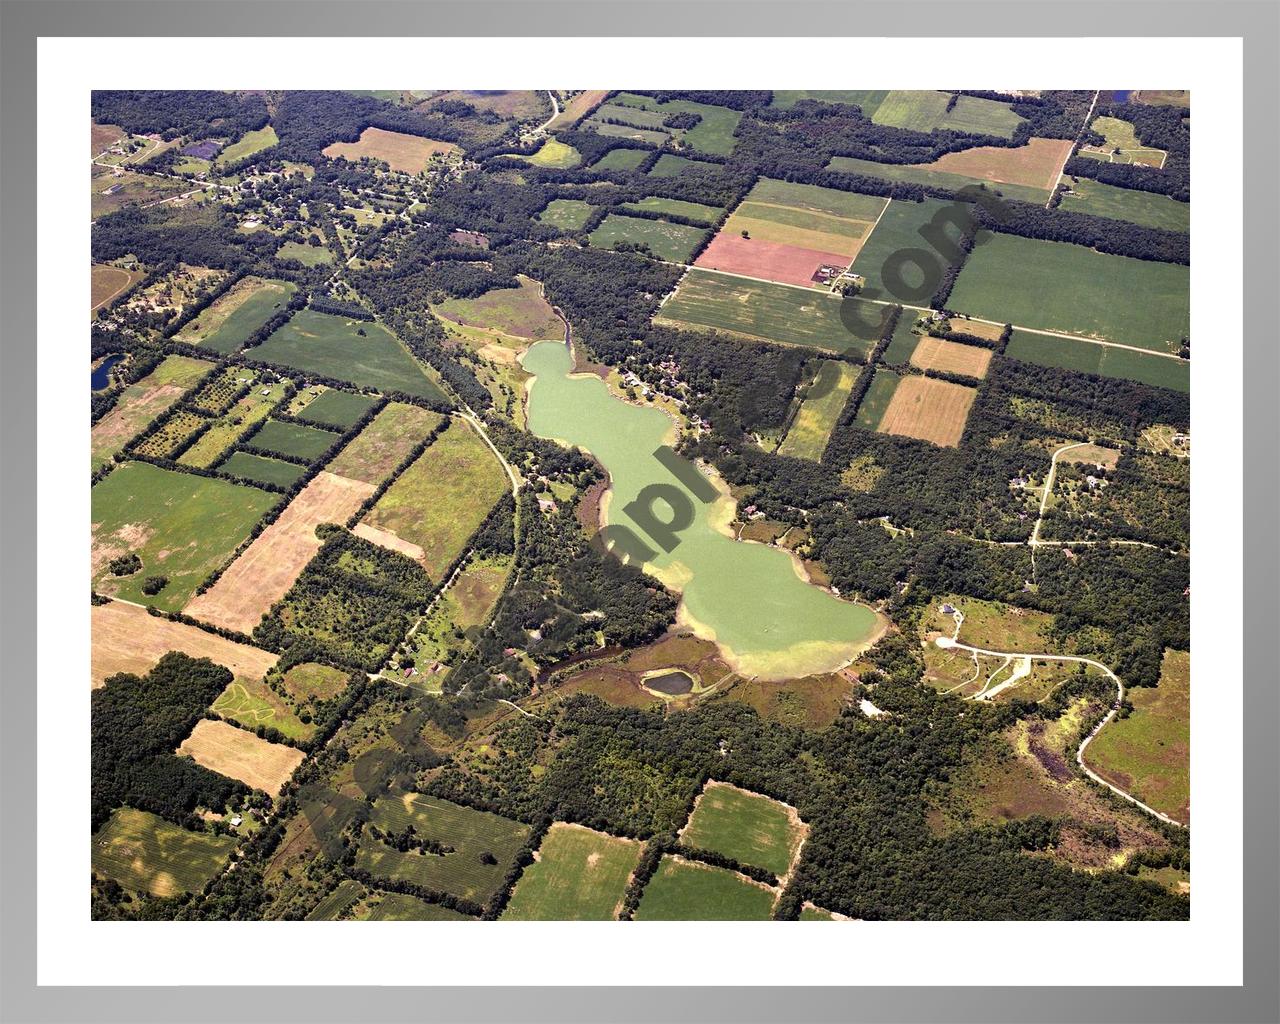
751, 599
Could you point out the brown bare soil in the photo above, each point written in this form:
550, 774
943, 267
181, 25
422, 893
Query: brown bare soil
406, 153
951, 356
388, 540
1035, 165
267, 568
102, 136
127, 638
929, 409
239, 754
772, 261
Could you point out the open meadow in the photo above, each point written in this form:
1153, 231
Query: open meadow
813, 424
752, 829
145, 853
577, 875
683, 890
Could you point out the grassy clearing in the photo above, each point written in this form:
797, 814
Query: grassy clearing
359, 352
313, 681
1063, 287
408, 154
554, 153
877, 398
467, 833
261, 469
230, 321
813, 424
247, 145
439, 501
579, 875
307, 255
1085, 357
694, 211
253, 703
868, 99
396, 906
752, 829
373, 454
293, 439
108, 282
336, 905
926, 111
145, 853
338, 409
682, 891
1147, 208
673, 243
621, 160
760, 311
506, 313
181, 525
713, 134
567, 214
1149, 752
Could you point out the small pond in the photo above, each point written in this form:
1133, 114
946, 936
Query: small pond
101, 374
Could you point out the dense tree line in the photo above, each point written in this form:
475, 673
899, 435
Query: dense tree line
199, 113
309, 120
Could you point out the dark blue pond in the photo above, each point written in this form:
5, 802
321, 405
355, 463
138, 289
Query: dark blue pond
102, 375
1120, 96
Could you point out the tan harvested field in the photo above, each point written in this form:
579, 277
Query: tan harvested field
579, 106
931, 410
107, 282
103, 136
406, 153
951, 357
239, 754
1036, 164
265, 571
517, 104
978, 328
388, 540
127, 638
374, 453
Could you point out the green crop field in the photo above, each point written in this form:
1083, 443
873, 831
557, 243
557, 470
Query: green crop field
713, 134
670, 166
694, 211
248, 144
752, 829
926, 111
919, 175
338, 409
396, 906
816, 914
307, 255
293, 439
231, 320
899, 229
181, 525
566, 214
1148, 753
673, 243
1147, 208
230, 427
145, 853
621, 160
347, 894
334, 347
876, 400
141, 402
904, 341
808, 435
440, 501
1086, 357
681, 891
261, 469
468, 833
252, 703
580, 875
1062, 287
761, 311
868, 99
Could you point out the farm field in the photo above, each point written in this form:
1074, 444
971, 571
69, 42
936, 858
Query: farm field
568, 214
506, 313
228, 428
333, 346
230, 321
926, 111
684, 891
408, 154
785, 232
578, 875
127, 638
292, 439
145, 853
673, 243
181, 526
466, 832
929, 409
253, 703
440, 500
868, 99
554, 153
573, 109
239, 754
713, 134
951, 357
876, 401
108, 283
246, 146
621, 159
1149, 209
338, 902
1085, 357
261, 469
752, 829
374, 453
670, 166
141, 402
396, 906
1069, 288
1148, 753
307, 255
898, 229
904, 341
340, 410
267, 568
693, 211
808, 435
761, 311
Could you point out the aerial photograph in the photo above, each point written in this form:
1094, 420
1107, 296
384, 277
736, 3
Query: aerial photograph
640, 505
